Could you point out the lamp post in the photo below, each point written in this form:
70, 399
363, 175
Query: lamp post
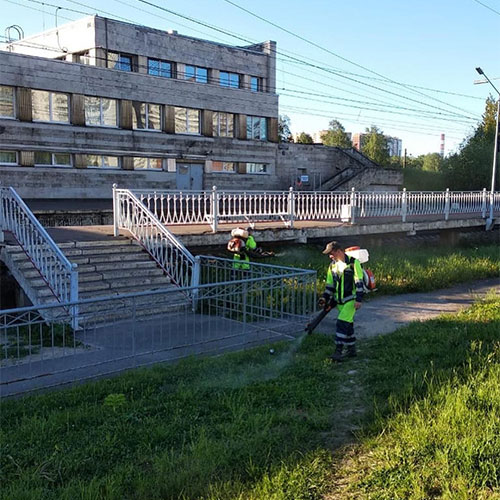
489, 223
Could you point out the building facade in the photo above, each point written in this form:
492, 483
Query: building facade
98, 101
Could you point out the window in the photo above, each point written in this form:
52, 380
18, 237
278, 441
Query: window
256, 168
187, 121
100, 112
52, 159
8, 158
50, 106
147, 163
7, 102
196, 74
256, 128
231, 80
223, 166
223, 124
146, 116
119, 61
82, 57
157, 67
255, 84
98, 161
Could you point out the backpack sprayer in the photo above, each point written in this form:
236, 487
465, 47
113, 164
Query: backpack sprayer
362, 255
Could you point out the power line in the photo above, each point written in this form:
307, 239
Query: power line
331, 52
487, 7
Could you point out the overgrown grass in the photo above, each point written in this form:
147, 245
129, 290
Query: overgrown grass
252, 426
407, 270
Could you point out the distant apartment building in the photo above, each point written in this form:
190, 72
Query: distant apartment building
394, 145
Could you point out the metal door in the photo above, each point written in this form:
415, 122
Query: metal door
189, 176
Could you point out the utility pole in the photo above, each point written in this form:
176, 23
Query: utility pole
404, 159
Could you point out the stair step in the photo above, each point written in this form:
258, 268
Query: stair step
127, 289
103, 258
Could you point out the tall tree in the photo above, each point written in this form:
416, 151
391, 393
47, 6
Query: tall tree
284, 133
432, 162
336, 136
304, 138
471, 166
375, 146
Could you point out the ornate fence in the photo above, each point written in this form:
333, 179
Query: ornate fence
219, 207
57, 271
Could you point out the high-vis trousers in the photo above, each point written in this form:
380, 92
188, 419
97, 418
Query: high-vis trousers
344, 334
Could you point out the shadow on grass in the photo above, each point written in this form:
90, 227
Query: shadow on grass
246, 425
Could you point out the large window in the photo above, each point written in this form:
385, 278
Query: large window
223, 166
8, 158
256, 168
52, 159
146, 116
50, 106
7, 102
255, 84
123, 62
223, 124
101, 161
157, 67
231, 80
147, 163
100, 112
256, 128
196, 74
187, 121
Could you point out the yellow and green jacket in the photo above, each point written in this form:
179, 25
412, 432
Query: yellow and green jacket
344, 280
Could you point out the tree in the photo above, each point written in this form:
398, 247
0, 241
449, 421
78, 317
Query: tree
304, 138
470, 167
432, 162
284, 133
375, 146
336, 136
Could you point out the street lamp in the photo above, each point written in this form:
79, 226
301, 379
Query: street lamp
489, 222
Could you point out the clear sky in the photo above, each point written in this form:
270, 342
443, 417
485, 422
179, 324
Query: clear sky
407, 67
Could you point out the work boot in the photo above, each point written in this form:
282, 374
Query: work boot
337, 355
351, 351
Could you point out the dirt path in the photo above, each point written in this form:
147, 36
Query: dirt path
387, 313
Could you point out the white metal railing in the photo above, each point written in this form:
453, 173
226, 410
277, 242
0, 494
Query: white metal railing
173, 257
57, 271
215, 207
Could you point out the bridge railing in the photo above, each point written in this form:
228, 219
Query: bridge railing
247, 207
60, 275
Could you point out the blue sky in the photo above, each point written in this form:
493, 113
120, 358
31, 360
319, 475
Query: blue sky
359, 51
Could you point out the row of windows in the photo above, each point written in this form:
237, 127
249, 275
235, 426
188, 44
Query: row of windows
102, 112
43, 158
168, 69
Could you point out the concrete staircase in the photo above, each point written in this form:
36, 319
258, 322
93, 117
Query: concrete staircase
105, 269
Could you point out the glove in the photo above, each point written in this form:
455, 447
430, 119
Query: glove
324, 300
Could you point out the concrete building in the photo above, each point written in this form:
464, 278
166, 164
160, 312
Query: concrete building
98, 101
394, 145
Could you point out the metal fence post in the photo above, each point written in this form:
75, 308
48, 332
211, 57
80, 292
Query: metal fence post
215, 208
353, 205
404, 207
291, 205
447, 204
1, 214
195, 280
116, 208
73, 296
483, 204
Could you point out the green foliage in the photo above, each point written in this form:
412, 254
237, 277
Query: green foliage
114, 401
418, 180
375, 146
471, 167
336, 136
304, 138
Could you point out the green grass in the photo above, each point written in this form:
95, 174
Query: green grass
252, 426
407, 270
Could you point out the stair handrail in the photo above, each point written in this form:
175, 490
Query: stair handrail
60, 275
168, 252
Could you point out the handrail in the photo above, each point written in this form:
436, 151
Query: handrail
60, 275
169, 253
213, 207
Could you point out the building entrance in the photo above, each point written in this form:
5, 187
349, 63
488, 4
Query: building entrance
189, 176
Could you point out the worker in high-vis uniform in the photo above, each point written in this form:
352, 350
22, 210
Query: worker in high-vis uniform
344, 287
